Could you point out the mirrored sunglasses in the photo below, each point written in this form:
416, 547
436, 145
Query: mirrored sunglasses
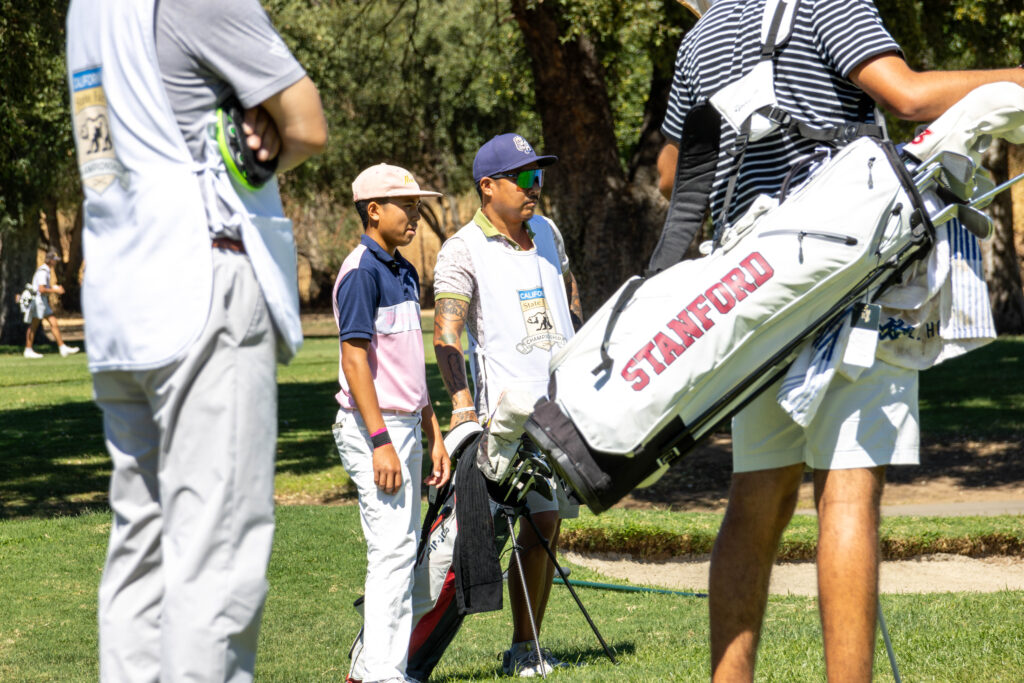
524, 179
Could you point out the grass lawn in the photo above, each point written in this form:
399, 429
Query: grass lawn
54, 525
51, 567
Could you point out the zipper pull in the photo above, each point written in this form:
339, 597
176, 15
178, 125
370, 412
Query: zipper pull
871, 183
800, 241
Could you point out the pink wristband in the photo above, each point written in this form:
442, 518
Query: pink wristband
379, 431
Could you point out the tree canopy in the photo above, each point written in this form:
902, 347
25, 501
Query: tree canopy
423, 84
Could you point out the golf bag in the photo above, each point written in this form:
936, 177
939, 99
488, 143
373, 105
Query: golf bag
438, 609
686, 348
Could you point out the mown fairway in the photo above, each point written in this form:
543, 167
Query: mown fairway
54, 526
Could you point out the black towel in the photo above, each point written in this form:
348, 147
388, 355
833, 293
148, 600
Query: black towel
478, 582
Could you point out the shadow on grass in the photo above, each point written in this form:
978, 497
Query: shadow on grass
54, 461
580, 657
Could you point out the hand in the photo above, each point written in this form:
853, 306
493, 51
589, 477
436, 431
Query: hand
59, 289
459, 418
387, 471
261, 133
441, 465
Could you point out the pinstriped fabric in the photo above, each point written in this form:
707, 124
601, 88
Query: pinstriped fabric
971, 316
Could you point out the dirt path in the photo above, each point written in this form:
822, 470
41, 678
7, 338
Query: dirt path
931, 574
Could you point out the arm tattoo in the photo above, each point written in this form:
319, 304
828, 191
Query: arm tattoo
453, 372
449, 321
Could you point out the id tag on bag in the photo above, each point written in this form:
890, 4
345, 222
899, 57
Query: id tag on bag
860, 349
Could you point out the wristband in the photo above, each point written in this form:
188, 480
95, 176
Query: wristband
463, 410
380, 438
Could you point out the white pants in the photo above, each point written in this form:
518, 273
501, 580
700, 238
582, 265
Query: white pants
192, 494
391, 528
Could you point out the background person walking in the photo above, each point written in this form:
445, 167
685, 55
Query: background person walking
38, 309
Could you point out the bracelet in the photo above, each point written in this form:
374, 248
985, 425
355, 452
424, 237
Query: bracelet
463, 410
380, 438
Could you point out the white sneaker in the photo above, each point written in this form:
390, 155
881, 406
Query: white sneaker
66, 351
522, 660
31, 353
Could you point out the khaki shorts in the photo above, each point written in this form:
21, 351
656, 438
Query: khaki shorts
865, 423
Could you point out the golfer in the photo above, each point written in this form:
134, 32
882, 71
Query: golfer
838, 63
383, 404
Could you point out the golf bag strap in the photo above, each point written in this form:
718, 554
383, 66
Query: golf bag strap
836, 136
695, 172
620, 305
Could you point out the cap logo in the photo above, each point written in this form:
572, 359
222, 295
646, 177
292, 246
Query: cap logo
406, 180
522, 145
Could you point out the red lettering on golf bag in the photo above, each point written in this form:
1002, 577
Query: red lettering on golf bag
761, 274
632, 372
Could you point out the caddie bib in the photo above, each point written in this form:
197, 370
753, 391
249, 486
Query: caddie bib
524, 310
149, 206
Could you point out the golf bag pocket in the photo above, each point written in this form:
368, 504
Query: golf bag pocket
670, 357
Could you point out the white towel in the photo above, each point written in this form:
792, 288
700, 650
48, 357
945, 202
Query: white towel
954, 318
942, 311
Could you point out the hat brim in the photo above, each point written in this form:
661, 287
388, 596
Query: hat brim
541, 161
394, 194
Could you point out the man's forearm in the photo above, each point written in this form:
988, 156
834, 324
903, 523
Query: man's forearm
449, 321
572, 291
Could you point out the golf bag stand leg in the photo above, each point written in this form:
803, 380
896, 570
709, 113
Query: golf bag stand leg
888, 644
565, 580
510, 514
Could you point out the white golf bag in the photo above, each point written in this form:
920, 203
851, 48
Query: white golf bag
672, 356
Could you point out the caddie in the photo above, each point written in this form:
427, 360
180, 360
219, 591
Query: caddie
505, 278
822, 81
182, 112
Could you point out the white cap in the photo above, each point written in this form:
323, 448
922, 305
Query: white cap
384, 180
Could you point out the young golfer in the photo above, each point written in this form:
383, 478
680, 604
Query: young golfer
383, 403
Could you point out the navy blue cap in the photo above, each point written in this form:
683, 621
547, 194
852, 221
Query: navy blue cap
502, 153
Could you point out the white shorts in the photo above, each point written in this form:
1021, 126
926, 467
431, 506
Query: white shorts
39, 308
559, 501
870, 422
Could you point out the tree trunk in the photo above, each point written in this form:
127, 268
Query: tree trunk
71, 268
18, 244
609, 224
1002, 269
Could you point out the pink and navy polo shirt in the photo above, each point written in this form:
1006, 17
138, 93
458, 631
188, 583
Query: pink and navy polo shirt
377, 297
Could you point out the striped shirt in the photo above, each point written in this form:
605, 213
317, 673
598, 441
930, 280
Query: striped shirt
829, 39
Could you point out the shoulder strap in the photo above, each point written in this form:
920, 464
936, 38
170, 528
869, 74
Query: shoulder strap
695, 172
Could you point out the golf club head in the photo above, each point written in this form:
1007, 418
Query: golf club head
958, 167
986, 189
957, 175
977, 222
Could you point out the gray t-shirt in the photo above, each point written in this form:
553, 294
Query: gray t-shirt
208, 49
